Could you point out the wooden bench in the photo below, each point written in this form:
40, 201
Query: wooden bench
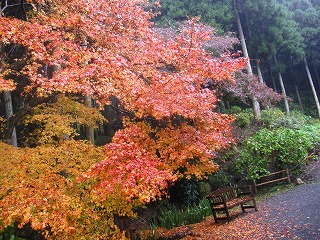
282, 175
226, 198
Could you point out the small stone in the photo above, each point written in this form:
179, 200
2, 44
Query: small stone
299, 181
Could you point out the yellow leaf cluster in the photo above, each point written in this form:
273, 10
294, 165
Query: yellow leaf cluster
56, 121
38, 186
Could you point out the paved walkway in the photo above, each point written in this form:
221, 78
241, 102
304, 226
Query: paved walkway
294, 214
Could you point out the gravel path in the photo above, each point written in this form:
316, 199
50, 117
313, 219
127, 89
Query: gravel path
294, 214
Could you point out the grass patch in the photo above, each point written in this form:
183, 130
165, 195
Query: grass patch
173, 216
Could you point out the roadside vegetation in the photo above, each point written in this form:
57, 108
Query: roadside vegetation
268, 144
120, 117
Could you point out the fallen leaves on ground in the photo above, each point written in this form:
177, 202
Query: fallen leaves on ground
250, 225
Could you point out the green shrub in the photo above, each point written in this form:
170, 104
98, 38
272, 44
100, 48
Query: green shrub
9, 233
204, 189
219, 179
235, 110
244, 118
184, 192
277, 149
272, 117
297, 120
275, 118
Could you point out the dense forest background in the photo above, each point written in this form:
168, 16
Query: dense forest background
280, 36
109, 108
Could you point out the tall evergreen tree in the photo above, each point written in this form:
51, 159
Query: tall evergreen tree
275, 33
255, 103
308, 20
217, 13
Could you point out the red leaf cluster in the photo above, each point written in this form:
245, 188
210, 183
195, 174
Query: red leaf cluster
110, 49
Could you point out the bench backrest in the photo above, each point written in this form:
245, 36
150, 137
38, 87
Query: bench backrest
221, 195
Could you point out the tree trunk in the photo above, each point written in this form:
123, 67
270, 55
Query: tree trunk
89, 130
12, 139
272, 78
255, 103
299, 98
312, 86
296, 89
284, 94
9, 113
261, 80
88, 103
259, 72
316, 72
283, 90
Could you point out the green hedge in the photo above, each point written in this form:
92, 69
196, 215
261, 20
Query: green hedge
277, 149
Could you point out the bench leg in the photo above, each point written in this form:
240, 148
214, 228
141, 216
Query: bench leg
214, 213
228, 215
255, 205
215, 216
242, 208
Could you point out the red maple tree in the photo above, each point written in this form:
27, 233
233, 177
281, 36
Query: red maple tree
111, 49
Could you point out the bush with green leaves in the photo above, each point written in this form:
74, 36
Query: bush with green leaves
234, 110
244, 118
219, 179
185, 192
9, 233
274, 118
275, 149
204, 188
298, 120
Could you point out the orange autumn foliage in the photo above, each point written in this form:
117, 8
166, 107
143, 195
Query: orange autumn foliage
110, 49
37, 187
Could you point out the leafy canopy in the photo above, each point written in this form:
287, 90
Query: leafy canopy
109, 49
